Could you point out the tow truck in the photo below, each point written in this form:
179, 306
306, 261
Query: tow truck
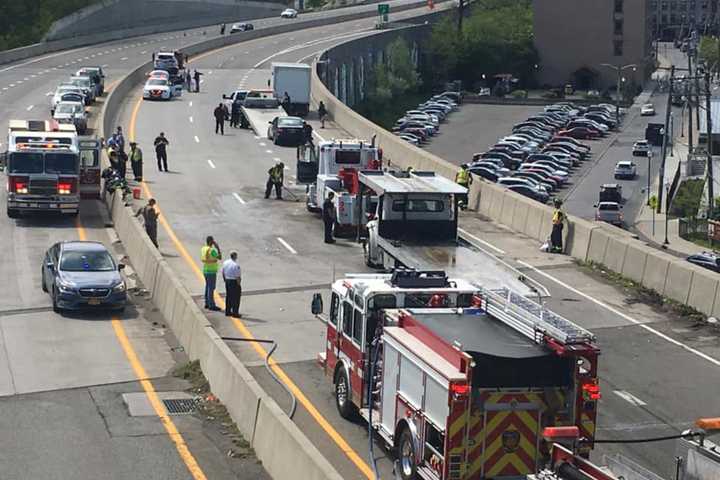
334, 166
44, 172
415, 225
457, 378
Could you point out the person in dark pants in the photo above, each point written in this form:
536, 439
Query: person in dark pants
136, 161
322, 113
558, 220
276, 177
235, 115
196, 76
161, 143
328, 214
308, 133
122, 159
150, 216
222, 29
219, 113
232, 274
209, 256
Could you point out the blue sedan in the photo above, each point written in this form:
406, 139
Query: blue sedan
80, 275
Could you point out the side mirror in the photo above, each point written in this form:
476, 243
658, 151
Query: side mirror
316, 307
121, 266
595, 206
225, 97
270, 123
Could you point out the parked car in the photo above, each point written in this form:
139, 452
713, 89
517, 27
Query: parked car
641, 148
571, 140
286, 130
98, 81
78, 275
610, 212
530, 192
289, 13
579, 132
410, 139
62, 90
625, 169
709, 260
485, 173
542, 179
157, 89
73, 113
84, 71
241, 27
86, 85
647, 110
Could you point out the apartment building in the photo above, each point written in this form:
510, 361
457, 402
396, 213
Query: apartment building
674, 18
576, 37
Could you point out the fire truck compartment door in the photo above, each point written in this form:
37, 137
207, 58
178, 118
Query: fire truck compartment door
89, 168
504, 437
391, 365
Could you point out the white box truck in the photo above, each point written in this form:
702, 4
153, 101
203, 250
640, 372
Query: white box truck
293, 79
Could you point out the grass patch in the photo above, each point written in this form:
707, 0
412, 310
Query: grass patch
212, 410
386, 114
639, 293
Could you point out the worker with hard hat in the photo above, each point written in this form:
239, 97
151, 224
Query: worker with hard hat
276, 177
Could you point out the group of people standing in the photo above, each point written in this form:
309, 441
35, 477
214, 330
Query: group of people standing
210, 256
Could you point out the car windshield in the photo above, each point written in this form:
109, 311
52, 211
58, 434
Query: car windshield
290, 122
157, 81
62, 163
25, 162
609, 207
93, 261
67, 108
81, 82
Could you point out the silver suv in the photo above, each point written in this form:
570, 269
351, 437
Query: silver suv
610, 212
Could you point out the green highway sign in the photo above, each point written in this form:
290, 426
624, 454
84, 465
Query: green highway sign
383, 9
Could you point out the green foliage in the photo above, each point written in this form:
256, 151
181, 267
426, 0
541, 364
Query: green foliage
315, 3
496, 38
708, 50
25, 22
687, 200
397, 75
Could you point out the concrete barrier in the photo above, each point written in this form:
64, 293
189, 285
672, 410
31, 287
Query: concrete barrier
679, 278
656, 270
598, 245
703, 290
523, 207
496, 207
474, 193
636, 257
615, 252
508, 208
578, 238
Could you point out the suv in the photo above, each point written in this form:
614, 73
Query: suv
609, 212
625, 169
611, 192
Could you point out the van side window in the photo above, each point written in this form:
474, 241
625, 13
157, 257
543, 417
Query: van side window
357, 327
347, 319
334, 307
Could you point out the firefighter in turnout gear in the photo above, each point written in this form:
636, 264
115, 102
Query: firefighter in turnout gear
464, 179
276, 176
558, 220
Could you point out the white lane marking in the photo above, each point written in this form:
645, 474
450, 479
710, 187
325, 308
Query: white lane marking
124, 58
190, 105
191, 119
209, 72
5, 88
262, 144
480, 240
26, 79
33, 76
237, 197
12, 84
48, 94
629, 397
210, 162
35, 60
287, 245
269, 151
277, 159
104, 65
197, 140
257, 138
29, 108
630, 319
143, 52
19, 82
86, 58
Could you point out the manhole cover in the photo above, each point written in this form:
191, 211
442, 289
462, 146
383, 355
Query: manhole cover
180, 406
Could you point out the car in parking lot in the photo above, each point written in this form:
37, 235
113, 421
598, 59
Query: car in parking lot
625, 169
530, 192
484, 172
286, 131
709, 260
73, 113
540, 177
289, 13
579, 132
241, 27
610, 212
80, 274
647, 110
157, 89
641, 148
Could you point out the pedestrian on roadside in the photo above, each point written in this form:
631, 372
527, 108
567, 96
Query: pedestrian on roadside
118, 140
276, 177
220, 113
197, 75
161, 143
188, 80
558, 221
308, 133
232, 275
235, 115
322, 113
136, 161
222, 29
150, 216
210, 255
122, 159
328, 214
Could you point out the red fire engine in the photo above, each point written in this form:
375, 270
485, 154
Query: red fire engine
458, 379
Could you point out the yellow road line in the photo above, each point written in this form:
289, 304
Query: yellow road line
240, 326
156, 403
147, 385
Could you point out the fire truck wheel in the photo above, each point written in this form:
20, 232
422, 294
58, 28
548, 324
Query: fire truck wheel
343, 399
12, 213
407, 456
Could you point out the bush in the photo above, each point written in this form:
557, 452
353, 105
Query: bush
519, 94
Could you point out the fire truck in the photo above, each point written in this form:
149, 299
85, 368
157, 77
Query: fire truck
334, 166
458, 379
44, 170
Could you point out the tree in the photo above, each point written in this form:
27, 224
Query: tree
398, 74
708, 51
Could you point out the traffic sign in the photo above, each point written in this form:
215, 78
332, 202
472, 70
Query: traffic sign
383, 9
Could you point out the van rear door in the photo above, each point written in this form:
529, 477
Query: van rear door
89, 168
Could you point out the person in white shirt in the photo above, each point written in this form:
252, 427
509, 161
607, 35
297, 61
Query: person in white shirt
232, 275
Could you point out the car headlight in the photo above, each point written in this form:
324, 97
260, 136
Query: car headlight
119, 288
65, 287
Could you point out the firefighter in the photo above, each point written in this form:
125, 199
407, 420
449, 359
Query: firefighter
558, 220
136, 161
464, 179
276, 177
328, 214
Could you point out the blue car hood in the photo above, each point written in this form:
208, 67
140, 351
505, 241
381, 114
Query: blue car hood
91, 279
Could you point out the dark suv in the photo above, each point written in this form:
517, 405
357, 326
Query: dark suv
709, 260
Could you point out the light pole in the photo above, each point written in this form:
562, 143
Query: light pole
667, 211
649, 159
671, 137
619, 69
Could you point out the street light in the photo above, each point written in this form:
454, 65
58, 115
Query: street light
619, 69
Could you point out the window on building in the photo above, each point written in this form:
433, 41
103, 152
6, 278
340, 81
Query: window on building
618, 6
618, 27
618, 48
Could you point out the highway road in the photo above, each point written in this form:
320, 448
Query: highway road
216, 187
63, 377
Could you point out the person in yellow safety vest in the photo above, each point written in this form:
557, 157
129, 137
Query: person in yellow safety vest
464, 179
210, 255
276, 177
558, 220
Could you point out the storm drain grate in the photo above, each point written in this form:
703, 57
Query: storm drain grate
181, 406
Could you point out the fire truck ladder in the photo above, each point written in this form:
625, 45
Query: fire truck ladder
531, 319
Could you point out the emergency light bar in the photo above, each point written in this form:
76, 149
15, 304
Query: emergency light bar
710, 425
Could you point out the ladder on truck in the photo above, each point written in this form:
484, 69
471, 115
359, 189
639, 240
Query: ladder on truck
532, 319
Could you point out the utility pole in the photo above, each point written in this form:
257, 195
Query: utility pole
661, 173
461, 13
708, 116
688, 91
697, 91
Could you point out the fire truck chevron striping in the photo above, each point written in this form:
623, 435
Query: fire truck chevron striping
466, 378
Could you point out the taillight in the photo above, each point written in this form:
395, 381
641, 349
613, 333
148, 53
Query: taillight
591, 390
460, 389
18, 184
66, 186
